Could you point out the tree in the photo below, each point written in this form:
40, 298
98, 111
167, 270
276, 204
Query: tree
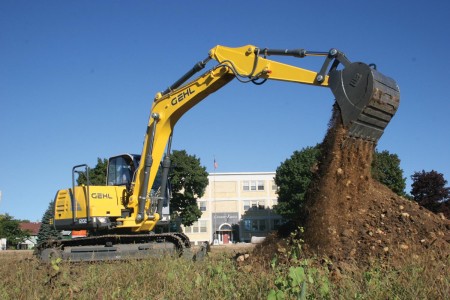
10, 229
386, 169
293, 177
47, 230
428, 189
188, 182
97, 175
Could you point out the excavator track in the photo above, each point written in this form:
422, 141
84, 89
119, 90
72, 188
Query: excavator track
117, 247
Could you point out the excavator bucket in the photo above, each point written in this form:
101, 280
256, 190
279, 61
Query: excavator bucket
367, 99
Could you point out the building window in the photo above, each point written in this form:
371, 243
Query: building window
188, 229
254, 204
254, 225
202, 205
261, 204
260, 185
274, 186
203, 226
253, 185
248, 224
197, 227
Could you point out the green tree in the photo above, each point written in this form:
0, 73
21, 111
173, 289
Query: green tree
386, 169
429, 190
10, 229
97, 175
188, 182
47, 230
292, 178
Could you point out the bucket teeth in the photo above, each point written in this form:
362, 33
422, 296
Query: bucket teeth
367, 99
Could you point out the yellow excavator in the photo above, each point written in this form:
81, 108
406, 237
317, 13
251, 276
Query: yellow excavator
121, 216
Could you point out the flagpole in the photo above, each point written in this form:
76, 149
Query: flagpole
214, 199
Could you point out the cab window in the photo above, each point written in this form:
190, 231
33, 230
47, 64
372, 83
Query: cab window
120, 170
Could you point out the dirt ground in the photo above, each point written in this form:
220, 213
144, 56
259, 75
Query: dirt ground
353, 217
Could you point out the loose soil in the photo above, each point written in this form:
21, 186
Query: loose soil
352, 217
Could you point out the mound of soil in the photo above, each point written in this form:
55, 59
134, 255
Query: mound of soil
353, 217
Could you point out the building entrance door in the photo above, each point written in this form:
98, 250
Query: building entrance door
225, 237
225, 233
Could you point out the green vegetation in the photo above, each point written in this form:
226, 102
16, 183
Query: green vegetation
386, 169
292, 178
188, 179
47, 230
430, 191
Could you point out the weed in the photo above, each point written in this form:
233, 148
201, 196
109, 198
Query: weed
295, 276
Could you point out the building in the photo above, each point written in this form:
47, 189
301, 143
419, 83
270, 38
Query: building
2, 244
33, 229
235, 208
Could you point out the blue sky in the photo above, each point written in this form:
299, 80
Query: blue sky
77, 79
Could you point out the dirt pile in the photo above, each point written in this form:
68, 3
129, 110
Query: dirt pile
352, 216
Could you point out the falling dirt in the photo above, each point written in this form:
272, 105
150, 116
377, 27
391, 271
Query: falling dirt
350, 216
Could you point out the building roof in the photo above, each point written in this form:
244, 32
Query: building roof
32, 227
241, 173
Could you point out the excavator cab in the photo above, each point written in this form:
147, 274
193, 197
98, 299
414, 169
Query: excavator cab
121, 169
121, 172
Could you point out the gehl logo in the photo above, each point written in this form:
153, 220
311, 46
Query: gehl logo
181, 96
100, 196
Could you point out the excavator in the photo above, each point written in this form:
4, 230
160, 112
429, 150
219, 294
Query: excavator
121, 216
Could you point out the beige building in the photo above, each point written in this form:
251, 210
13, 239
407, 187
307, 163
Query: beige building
235, 208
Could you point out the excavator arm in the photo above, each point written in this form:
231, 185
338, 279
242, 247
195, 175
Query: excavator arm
367, 100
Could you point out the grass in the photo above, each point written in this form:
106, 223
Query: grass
220, 277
